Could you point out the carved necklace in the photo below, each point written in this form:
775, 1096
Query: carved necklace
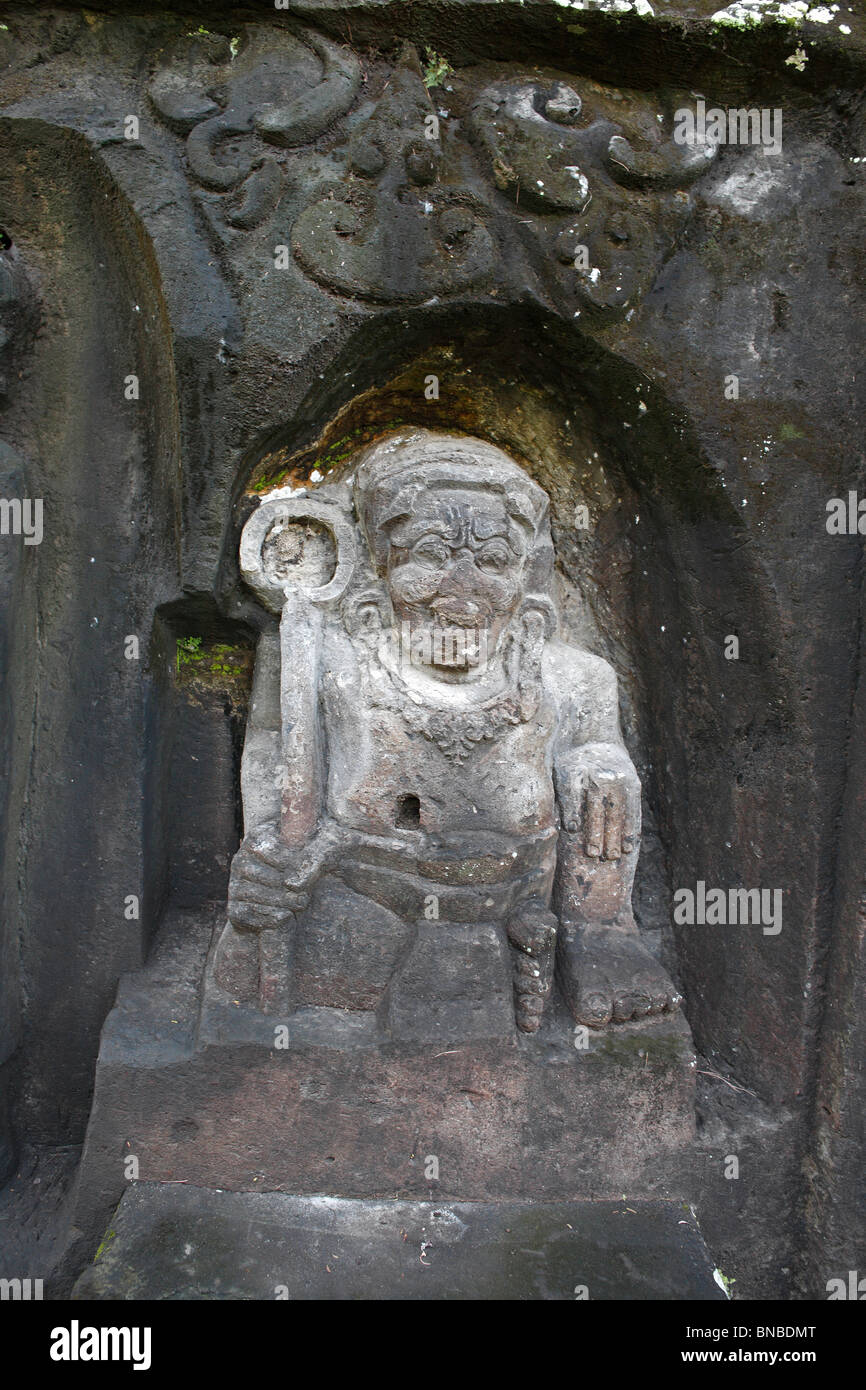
456, 732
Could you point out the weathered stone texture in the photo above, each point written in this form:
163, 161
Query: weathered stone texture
283, 261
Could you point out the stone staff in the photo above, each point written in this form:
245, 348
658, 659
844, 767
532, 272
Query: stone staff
301, 608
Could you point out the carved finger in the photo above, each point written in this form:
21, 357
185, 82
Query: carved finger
245, 890
569, 785
632, 816
253, 917
276, 854
614, 805
297, 876
258, 871
571, 808
594, 820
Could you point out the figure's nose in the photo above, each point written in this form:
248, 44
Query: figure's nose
460, 572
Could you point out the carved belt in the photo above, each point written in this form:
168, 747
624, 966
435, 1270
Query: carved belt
466, 887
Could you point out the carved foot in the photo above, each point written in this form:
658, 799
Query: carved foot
254, 968
236, 964
532, 932
608, 975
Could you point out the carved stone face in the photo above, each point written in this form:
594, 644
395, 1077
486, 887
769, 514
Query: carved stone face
455, 576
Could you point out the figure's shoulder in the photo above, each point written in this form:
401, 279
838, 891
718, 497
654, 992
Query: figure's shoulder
569, 671
338, 657
339, 660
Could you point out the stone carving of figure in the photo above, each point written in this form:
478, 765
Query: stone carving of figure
440, 812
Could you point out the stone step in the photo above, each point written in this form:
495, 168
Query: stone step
171, 1241
335, 1107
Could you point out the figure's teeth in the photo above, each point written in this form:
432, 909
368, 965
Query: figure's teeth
458, 617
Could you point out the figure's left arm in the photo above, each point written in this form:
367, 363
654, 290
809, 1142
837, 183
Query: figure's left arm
597, 787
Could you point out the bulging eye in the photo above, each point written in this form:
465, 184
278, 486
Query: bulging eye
493, 559
431, 554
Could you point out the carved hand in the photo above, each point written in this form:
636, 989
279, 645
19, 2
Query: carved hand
599, 797
270, 881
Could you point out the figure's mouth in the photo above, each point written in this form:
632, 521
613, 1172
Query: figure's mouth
456, 644
461, 612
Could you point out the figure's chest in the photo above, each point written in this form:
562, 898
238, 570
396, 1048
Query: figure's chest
392, 762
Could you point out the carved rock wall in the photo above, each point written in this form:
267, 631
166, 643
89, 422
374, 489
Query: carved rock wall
282, 258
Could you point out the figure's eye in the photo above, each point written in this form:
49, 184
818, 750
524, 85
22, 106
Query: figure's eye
493, 558
432, 554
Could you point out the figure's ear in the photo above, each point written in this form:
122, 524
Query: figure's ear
535, 606
366, 613
539, 567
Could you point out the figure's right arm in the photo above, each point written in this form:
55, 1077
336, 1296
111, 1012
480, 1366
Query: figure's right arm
259, 895
270, 881
260, 763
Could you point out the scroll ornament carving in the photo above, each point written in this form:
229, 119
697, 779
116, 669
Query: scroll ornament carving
404, 200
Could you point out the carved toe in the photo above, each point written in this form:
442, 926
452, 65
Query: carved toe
594, 1009
609, 976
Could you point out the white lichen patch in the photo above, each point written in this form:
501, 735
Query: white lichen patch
639, 7
582, 181
745, 12
753, 190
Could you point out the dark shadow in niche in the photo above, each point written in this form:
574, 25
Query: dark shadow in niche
408, 813
201, 664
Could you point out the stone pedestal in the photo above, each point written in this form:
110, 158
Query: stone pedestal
171, 1242
323, 1102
